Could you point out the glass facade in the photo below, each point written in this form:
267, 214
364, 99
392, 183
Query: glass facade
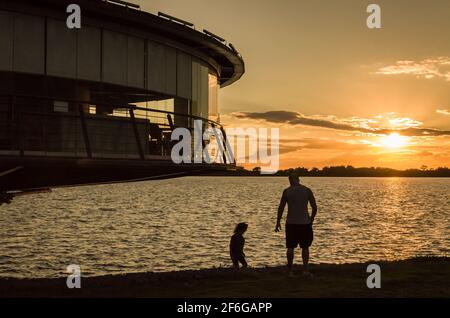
213, 98
200, 90
152, 116
204, 101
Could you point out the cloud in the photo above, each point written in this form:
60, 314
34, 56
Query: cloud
403, 126
443, 112
425, 154
272, 116
321, 143
429, 68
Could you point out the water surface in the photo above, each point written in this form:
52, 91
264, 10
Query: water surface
186, 223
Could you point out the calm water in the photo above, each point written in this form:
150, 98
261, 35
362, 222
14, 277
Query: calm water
186, 224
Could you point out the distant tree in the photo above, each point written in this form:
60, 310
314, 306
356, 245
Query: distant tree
350, 171
257, 170
301, 171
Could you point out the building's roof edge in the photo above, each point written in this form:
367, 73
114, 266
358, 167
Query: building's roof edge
231, 63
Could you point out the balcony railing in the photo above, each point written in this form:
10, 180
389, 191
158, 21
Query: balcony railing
54, 127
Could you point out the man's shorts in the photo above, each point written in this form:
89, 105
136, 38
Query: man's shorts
299, 234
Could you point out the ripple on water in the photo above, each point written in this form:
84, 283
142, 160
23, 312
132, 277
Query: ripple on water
186, 223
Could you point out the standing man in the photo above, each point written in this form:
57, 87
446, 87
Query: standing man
298, 222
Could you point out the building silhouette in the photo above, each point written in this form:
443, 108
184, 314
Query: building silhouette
98, 104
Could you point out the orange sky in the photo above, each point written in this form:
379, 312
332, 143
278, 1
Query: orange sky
337, 90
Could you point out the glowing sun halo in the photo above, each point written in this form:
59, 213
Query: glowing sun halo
394, 141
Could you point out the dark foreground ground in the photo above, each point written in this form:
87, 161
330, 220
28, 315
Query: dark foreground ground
419, 277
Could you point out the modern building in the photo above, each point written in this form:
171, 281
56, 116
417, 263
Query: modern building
98, 103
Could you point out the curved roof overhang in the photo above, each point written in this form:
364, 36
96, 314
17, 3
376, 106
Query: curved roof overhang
227, 61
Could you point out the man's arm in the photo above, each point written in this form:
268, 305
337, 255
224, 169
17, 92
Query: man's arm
281, 207
312, 201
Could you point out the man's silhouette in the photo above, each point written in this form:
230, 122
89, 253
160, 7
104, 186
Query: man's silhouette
298, 221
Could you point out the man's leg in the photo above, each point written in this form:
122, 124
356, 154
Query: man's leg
290, 258
307, 237
305, 257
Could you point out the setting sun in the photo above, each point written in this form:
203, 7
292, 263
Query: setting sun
394, 141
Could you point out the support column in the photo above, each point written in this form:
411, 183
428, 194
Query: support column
136, 134
87, 144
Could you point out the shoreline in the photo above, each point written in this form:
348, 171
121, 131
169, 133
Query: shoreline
232, 174
416, 277
301, 176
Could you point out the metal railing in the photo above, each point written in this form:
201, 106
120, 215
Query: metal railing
33, 126
177, 20
124, 4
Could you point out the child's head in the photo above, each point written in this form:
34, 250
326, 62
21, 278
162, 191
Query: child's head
241, 228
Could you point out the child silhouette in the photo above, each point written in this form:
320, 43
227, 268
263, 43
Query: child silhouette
237, 243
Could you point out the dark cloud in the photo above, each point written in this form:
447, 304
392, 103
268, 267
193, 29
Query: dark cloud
421, 132
284, 149
294, 118
272, 116
319, 143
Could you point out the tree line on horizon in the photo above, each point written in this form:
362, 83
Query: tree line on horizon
350, 171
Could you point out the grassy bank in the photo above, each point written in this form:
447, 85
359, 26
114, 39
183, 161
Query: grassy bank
419, 277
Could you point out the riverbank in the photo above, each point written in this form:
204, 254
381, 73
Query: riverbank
418, 277
340, 171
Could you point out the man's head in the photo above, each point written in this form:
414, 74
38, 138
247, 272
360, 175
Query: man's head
294, 178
